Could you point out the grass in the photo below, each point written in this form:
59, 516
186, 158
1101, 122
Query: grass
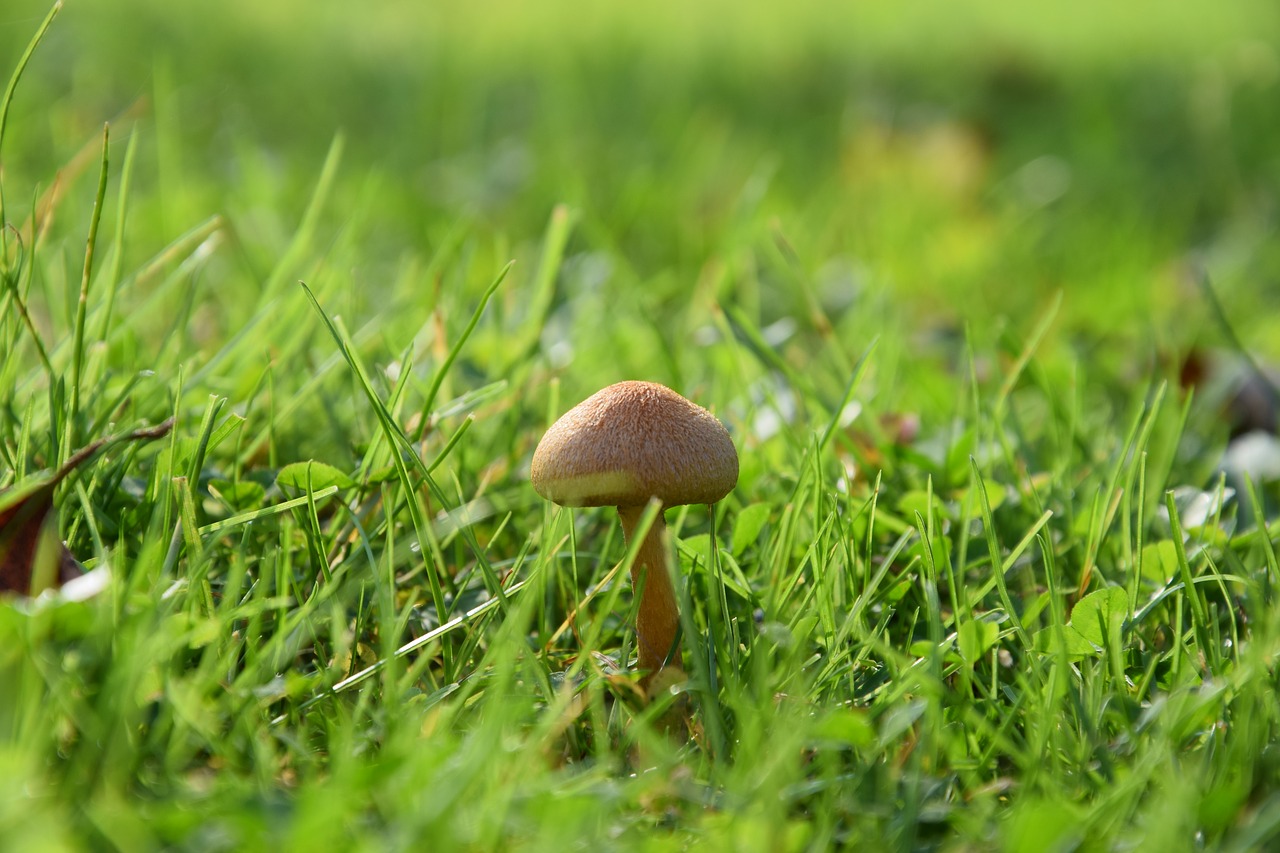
981, 584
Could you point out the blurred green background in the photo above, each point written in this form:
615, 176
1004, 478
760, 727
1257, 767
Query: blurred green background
912, 167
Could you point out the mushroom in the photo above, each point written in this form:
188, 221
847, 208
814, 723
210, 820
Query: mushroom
620, 447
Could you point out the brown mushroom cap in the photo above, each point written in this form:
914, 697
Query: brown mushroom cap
633, 441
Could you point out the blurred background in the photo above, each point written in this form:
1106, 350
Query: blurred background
842, 168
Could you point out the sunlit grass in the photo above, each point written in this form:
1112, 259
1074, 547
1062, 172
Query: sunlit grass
980, 585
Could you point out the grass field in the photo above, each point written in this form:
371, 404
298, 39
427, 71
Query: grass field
983, 583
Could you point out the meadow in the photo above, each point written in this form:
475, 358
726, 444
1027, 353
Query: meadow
973, 287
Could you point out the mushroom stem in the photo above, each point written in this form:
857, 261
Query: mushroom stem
658, 618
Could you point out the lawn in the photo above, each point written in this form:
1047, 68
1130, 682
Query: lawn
972, 288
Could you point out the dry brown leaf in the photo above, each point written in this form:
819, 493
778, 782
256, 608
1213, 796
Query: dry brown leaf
33, 557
